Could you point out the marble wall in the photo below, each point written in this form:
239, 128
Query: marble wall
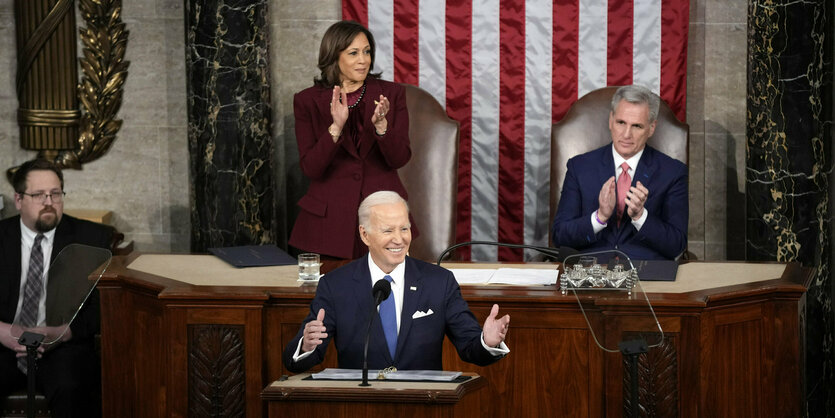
230, 144
143, 179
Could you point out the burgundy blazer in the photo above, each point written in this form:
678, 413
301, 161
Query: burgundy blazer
342, 174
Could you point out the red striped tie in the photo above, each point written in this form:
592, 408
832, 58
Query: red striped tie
624, 182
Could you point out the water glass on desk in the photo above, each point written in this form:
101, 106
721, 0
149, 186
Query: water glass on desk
309, 266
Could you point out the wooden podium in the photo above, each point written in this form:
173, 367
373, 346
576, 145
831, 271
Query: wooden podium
185, 335
300, 396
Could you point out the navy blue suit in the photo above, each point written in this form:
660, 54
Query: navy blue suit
345, 294
664, 233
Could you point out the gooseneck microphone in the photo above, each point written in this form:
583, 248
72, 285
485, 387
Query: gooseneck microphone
380, 292
555, 253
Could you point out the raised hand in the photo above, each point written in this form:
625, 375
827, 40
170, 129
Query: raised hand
380, 111
495, 329
314, 332
635, 200
606, 200
339, 108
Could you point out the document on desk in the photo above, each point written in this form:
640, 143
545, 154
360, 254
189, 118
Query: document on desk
356, 374
510, 276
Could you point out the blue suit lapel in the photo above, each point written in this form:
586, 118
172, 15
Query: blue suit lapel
411, 297
646, 168
362, 294
606, 167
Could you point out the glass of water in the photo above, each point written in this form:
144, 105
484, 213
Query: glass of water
309, 266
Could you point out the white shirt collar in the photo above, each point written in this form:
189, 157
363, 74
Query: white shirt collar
376, 273
633, 162
28, 235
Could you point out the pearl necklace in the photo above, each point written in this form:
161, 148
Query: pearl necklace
362, 92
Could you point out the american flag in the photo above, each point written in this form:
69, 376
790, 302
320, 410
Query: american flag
506, 70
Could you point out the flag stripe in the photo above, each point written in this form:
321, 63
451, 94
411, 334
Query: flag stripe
406, 68
619, 46
538, 63
512, 127
646, 67
675, 19
432, 56
459, 106
591, 47
566, 16
485, 159
357, 11
381, 25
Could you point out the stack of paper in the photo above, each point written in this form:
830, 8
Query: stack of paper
356, 374
512, 276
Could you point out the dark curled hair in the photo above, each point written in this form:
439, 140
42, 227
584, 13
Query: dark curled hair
337, 38
19, 177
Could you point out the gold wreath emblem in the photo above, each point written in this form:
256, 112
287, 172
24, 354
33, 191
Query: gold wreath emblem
101, 88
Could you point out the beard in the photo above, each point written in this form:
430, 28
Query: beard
45, 225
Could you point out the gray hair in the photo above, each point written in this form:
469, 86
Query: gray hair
636, 94
383, 197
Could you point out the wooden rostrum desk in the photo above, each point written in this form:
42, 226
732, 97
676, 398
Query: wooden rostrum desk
188, 335
299, 396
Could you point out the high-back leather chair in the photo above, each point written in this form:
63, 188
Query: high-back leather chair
431, 175
586, 127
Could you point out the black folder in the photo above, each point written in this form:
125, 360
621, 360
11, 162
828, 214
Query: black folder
254, 256
656, 270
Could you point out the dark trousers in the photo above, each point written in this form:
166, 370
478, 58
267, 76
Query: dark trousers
68, 376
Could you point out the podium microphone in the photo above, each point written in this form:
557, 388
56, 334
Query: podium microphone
380, 292
555, 253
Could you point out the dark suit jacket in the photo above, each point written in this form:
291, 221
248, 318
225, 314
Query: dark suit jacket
663, 235
69, 231
345, 294
342, 174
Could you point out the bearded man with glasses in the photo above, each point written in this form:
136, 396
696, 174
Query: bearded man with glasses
68, 373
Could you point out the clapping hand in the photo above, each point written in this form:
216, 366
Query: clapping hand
379, 118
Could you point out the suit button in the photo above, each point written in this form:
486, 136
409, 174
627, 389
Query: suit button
357, 177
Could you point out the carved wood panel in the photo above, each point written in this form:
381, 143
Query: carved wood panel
216, 376
657, 381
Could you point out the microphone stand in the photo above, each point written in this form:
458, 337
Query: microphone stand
551, 252
381, 291
365, 353
32, 341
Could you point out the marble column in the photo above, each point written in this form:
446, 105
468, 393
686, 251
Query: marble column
230, 148
789, 165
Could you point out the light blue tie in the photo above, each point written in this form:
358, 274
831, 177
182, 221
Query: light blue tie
388, 317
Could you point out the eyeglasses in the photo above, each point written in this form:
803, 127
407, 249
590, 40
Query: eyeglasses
56, 196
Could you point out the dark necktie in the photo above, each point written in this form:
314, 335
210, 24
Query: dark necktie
32, 293
388, 317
